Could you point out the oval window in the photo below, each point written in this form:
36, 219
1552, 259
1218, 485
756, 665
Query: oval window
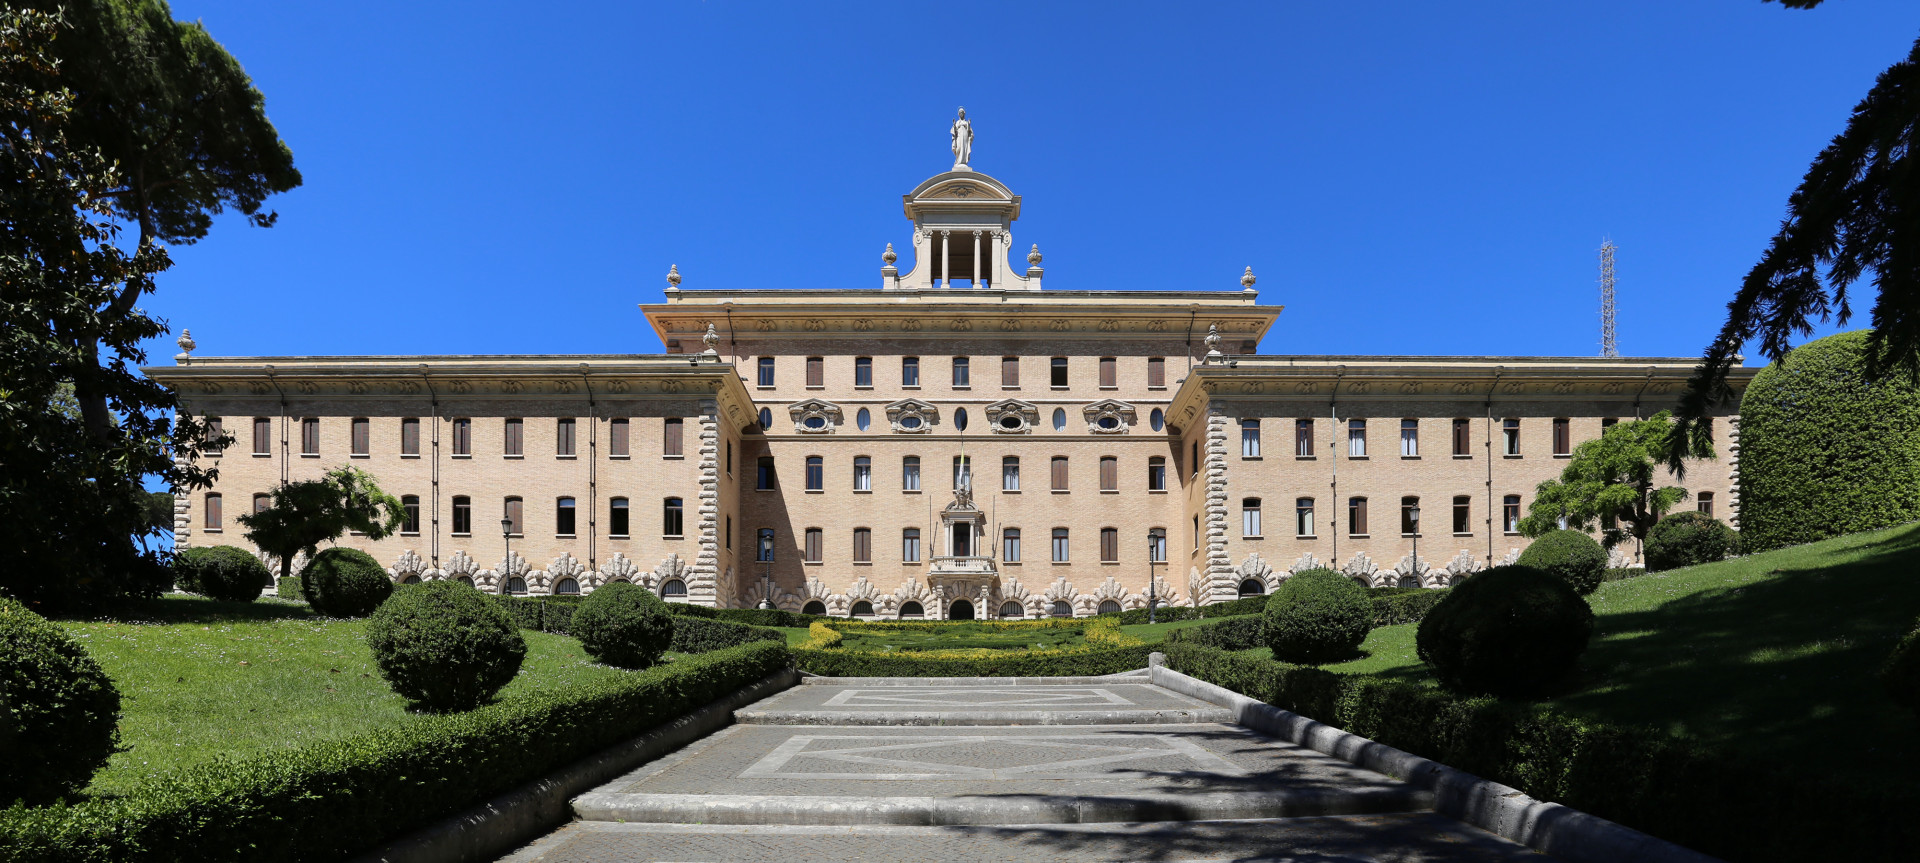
909, 422
863, 419
766, 419
960, 419
1109, 422
1158, 419
1010, 422
816, 422
1059, 419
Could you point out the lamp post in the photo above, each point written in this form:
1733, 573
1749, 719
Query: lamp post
506, 533
766, 587
1413, 515
1153, 597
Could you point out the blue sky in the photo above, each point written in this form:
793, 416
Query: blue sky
1418, 177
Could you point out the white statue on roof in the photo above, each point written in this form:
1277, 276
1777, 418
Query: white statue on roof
962, 142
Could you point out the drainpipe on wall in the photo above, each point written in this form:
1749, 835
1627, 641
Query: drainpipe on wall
1333, 458
283, 423
433, 468
593, 472
1498, 371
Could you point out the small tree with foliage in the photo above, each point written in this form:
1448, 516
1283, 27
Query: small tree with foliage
304, 514
1610, 483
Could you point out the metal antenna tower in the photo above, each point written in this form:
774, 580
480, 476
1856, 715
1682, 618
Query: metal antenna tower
1608, 346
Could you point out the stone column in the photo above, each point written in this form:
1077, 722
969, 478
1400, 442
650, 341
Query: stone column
946, 249
976, 260
183, 511
703, 580
1218, 577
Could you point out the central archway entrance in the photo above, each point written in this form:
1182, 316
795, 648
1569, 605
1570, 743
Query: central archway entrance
960, 610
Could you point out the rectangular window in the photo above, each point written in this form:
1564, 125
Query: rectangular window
816, 473
1704, 501
763, 474
1157, 545
1010, 473
909, 371
1409, 438
863, 371
1058, 369
1109, 473
1059, 545
515, 437
670, 437
1462, 514
262, 436
910, 473
1356, 438
816, 372
513, 511
213, 512
410, 507
1510, 435
862, 473
1303, 517
1157, 473
463, 436
1510, 514
1607, 423
1059, 473
962, 376
1249, 438
1250, 517
362, 436
1156, 372
462, 515
1109, 372
763, 546
814, 554
672, 517
962, 467
1010, 545
563, 512
261, 502
410, 436
729, 458
1303, 438
1010, 372
617, 438
766, 372
619, 517
1409, 516
310, 436
1462, 438
1562, 437
1357, 516
1109, 545
210, 443
862, 545
910, 545
563, 437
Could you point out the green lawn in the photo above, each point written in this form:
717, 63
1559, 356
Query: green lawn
199, 678
1772, 655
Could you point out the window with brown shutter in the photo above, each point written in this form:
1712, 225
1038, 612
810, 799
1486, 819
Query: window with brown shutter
1109, 545
211, 442
1156, 371
513, 511
1562, 437
213, 512
1010, 371
515, 437
862, 545
816, 372
463, 436
1059, 473
563, 437
410, 436
617, 438
813, 545
261, 502
1357, 516
262, 436
1462, 438
670, 441
362, 435
1109, 473
310, 436
1109, 372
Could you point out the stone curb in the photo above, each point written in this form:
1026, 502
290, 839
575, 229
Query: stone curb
984, 717
925, 682
978, 811
496, 827
1550, 828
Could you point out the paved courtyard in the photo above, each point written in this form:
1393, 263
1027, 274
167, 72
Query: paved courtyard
1069, 770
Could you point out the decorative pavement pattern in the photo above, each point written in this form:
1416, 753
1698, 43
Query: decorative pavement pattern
909, 771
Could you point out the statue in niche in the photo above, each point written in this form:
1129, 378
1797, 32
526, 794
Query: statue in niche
962, 142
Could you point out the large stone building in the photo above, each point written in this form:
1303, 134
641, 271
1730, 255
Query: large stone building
955, 443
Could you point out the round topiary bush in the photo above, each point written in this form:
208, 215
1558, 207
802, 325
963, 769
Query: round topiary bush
1824, 450
1317, 616
624, 625
220, 572
1569, 555
345, 582
1685, 539
1901, 673
444, 645
1512, 631
59, 713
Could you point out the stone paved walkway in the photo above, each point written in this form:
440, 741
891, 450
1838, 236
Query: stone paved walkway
1069, 770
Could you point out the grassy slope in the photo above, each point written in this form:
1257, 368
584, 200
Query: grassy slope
203, 678
1772, 655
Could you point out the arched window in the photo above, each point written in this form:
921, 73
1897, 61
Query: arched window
517, 586
862, 608
1252, 587
566, 587
672, 517
912, 610
1059, 419
863, 419
814, 607
960, 610
411, 579
673, 590
1108, 606
563, 520
1455, 579
1011, 610
1062, 608
1362, 581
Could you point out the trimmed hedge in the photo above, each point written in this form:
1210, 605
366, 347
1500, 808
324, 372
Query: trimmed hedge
836, 662
1687, 539
1166, 613
59, 712
1569, 555
289, 588
1823, 450
444, 646
700, 635
1512, 631
1736, 808
221, 572
345, 582
1233, 633
1408, 607
329, 800
693, 632
1317, 616
624, 625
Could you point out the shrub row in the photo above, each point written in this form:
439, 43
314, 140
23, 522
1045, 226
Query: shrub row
1406, 607
221, 572
332, 799
1235, 608
694, 631
836, 662
1234, 633
1730, 807
701, 635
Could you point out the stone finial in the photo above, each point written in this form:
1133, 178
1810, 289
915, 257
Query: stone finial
673, 277
1033, 257
1247, 280
1213, 343
888, 257
711, 339
186, 347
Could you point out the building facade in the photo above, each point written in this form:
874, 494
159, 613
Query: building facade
956, 443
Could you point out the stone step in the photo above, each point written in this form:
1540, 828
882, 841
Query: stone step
886, 701
982, 717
